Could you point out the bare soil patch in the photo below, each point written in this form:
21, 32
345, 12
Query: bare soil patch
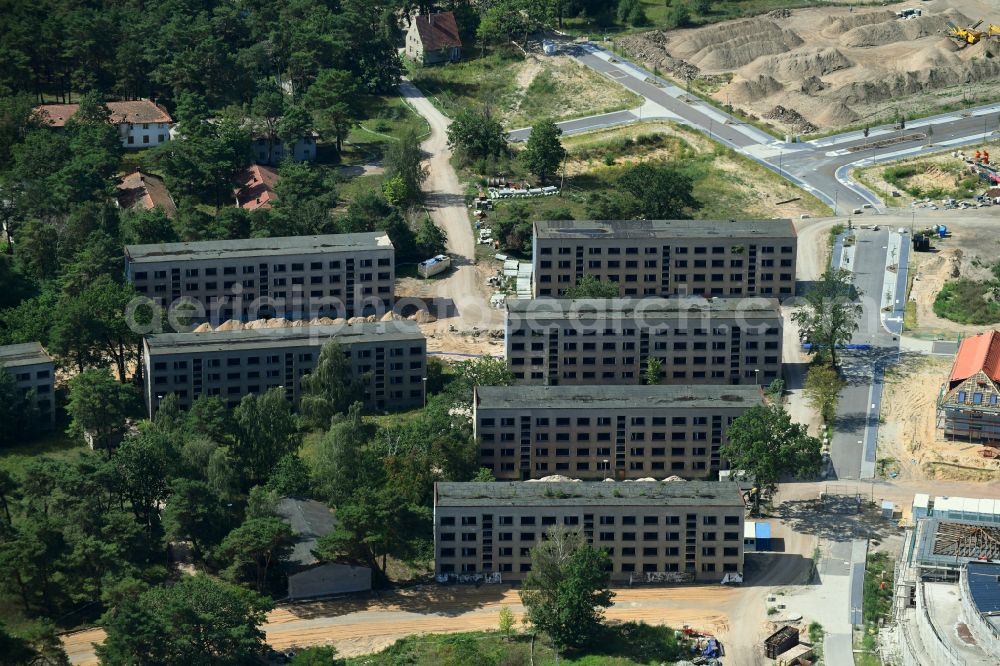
830, 67
910, 436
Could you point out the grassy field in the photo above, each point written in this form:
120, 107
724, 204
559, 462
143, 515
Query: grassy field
624, 645
384, 119
54, 445
728, 185
521, 91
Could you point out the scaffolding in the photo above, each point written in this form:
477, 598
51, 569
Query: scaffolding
962, 423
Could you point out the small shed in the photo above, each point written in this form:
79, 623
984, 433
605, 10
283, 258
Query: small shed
308, 577
749, 536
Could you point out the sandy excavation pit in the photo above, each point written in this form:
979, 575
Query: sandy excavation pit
812, 70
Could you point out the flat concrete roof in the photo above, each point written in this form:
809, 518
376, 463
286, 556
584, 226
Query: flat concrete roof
623, 308
607, 493
28, 353
273, 338
618, 397
665, 229
256, 247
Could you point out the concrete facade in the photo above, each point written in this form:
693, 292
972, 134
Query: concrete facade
724, 258
599, 432
34, 376
608, 341
393, 355
296, 277
647, 528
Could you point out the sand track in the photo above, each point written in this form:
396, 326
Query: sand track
833, 66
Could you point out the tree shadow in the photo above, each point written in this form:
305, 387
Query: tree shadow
835, 518
432, 599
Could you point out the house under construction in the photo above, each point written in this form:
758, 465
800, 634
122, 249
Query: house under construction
968, 406
947, 585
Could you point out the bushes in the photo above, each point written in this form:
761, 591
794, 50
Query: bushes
968, 302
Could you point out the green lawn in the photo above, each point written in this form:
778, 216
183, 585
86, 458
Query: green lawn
470, 82
55, 444
624, 645
384, 118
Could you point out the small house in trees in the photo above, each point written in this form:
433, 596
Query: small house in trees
256, 187
969, 402
141, 123
308, 577
145, 191
272, 151
433, 39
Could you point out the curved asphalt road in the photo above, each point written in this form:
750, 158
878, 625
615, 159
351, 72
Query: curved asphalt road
820, 167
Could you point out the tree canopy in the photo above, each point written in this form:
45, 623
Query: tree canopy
544, 152
765, 445
566, 591
831, 312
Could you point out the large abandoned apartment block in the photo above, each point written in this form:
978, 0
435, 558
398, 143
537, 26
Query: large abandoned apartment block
692, 528
732, 258
601, 432
390, 356
609, 341
296, 277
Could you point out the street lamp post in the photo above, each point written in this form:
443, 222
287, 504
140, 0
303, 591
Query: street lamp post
756, 376
607, 467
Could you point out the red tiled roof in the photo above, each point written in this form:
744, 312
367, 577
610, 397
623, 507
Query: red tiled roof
146, 191
136, 112
256, 187
438, 31
978, 353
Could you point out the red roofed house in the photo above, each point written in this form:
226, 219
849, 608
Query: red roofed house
969, 403
433, 38
256, 187
146, 191
141, 123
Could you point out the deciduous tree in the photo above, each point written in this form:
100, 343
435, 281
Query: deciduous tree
265, 431
765, 445
258, 543
831, 312
330, 389
99, 405
590, 286
566, 592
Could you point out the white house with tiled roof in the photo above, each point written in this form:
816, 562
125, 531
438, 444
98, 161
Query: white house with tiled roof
141, 123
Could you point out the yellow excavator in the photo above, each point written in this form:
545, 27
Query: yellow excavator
994, 31
967, 35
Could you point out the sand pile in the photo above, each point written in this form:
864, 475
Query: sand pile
837, 114
917, 82
743, 91
716, 50
800, 64
838, 25
895, 30
813, 85
791, 118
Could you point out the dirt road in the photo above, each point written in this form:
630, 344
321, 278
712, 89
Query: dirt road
461, 298
811, 261
358, 627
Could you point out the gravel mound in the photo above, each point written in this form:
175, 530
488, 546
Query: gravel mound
745, 41
800, 64
899, 31
743, 91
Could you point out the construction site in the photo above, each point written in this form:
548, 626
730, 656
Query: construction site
814, 70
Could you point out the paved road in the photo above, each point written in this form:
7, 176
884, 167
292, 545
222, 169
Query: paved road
819, 166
